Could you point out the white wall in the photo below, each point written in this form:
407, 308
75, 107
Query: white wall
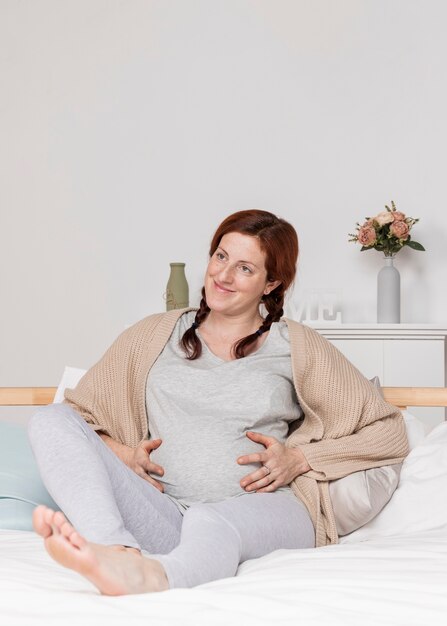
130, 128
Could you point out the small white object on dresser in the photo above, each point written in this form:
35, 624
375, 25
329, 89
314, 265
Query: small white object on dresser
401, 355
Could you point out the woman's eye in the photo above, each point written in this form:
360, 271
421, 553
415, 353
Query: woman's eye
246, 269
220, 256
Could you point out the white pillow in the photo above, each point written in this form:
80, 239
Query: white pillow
419, 503
415, 429
70, 378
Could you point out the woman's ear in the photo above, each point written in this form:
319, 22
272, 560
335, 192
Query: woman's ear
271, 286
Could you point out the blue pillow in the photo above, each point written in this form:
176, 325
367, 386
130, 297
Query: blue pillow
21, 488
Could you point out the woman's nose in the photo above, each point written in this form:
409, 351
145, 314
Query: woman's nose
226, 274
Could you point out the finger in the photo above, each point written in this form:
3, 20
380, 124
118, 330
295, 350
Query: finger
259, 484
153, 482
150, 444
147, 467
260, 438
269, 488
256, 457
255, 478
153, 468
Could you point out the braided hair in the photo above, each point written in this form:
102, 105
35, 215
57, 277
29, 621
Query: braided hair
190, 342
274, 304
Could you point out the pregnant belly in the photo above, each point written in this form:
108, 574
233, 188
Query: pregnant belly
194, 473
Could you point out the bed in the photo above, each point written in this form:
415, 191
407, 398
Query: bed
393, 571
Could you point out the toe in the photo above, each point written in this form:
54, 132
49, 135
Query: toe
48, 516
59, 519
48, 513
67, 529
39, 523
77, 540
55, 519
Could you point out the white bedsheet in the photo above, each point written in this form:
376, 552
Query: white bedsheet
383, 581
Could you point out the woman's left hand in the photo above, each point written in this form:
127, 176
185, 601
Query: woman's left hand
280, 465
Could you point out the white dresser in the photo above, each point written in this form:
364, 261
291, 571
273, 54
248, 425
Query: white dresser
402, 355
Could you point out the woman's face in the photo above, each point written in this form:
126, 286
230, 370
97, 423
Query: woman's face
236, 278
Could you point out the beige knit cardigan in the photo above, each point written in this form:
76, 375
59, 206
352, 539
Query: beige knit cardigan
347, 425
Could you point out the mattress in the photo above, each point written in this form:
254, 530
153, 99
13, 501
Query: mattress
388, 580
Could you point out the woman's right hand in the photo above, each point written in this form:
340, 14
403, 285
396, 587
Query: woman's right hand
139, 461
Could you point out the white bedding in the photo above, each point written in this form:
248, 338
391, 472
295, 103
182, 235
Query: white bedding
383, 581
392, 571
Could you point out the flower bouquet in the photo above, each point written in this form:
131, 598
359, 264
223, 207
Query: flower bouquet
388, 232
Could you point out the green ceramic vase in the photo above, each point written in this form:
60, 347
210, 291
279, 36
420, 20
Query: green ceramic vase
177, 290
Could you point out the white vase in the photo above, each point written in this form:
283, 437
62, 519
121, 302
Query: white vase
388, 293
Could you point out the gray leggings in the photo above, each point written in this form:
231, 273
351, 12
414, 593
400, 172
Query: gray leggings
109, 504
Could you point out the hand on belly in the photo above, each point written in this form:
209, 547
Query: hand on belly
279, 465
197, 474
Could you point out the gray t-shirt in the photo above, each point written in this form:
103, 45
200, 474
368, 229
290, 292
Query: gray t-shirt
202, 409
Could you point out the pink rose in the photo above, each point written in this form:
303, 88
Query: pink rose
385, 217
366, 235
400, 230
398, 216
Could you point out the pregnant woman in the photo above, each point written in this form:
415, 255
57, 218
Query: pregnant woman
207, 437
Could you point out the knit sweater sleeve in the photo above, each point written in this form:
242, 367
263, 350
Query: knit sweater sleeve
384, 442
107, 395
348, 426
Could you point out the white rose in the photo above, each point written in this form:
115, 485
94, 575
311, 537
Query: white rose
386, 217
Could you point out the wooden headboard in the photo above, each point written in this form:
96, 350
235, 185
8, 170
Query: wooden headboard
401, 397
26, 396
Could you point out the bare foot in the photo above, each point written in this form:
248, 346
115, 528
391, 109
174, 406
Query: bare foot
114, 570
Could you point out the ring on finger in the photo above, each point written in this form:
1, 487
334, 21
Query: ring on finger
268, 470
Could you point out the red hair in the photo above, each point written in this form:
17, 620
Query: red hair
279, 242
